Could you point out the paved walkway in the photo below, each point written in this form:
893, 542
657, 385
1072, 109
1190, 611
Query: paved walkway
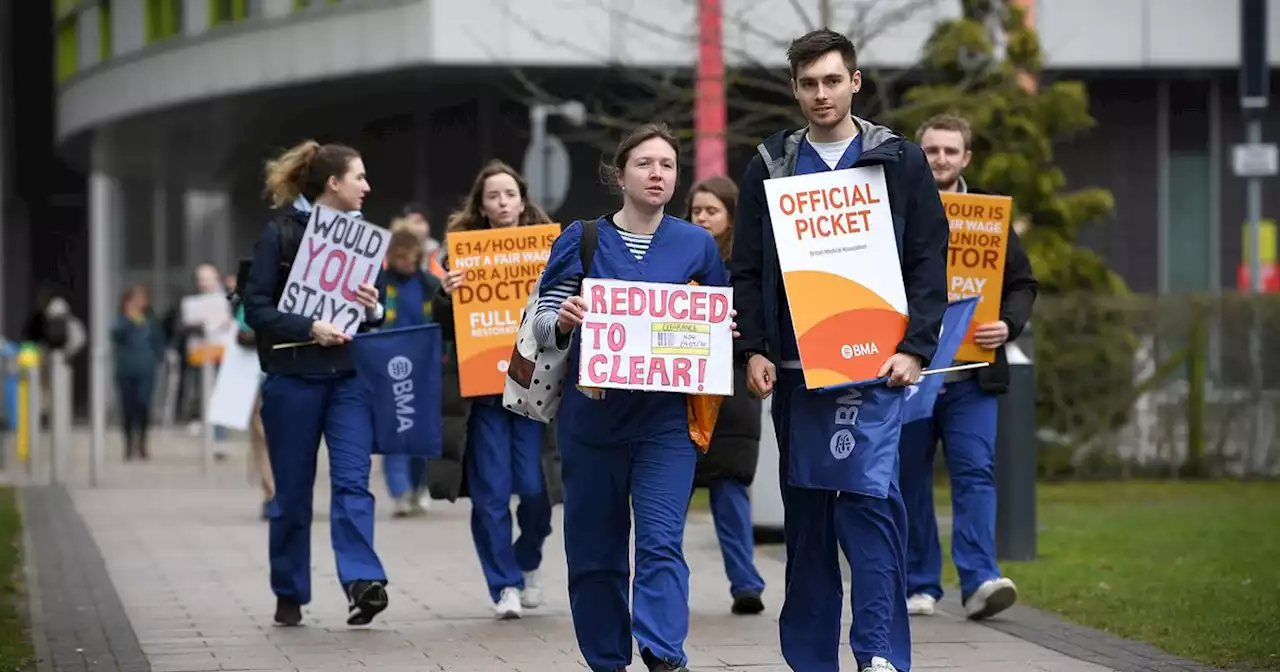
187, 558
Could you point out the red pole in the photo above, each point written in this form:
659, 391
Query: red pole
709, 114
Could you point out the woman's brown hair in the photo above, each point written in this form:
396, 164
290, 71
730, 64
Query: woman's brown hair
132, 291
404, 239
304, 170
726, 191
470, 214
612, 173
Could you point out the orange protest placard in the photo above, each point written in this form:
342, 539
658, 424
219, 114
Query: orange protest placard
975, 262
502, 266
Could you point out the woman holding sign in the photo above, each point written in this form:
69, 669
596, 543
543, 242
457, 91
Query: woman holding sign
310, 390
729, 466
627, 451
501, 452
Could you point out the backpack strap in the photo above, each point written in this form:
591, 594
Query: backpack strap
587, 246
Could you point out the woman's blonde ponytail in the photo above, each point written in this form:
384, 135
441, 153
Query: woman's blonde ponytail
287, 173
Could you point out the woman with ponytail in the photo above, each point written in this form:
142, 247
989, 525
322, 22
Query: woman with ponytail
310, 392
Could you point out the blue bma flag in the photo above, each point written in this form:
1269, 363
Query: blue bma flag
921, 397
399, 371
846, 439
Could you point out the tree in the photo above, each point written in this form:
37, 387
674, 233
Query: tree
758, 92
984, 66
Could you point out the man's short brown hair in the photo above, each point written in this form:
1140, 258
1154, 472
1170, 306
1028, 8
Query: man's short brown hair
818, 43
947, 122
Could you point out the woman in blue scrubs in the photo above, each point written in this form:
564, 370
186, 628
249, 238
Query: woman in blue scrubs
501, 452
311, 391
729, 467
628, 452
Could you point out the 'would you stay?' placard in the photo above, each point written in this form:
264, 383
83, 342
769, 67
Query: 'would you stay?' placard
339, 252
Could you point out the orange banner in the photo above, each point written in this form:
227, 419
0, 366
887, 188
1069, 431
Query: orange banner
975, 262
502, 266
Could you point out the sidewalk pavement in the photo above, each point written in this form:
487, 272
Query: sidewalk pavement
187, 558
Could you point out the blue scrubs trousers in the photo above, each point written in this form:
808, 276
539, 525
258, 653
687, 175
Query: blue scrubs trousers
504, 458
872, 534
964, 418
296, 412
404, 473
731, 511
604, 483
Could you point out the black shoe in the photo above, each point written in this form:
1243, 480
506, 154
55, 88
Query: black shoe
367, 599
747, 604
656, 664
288, 612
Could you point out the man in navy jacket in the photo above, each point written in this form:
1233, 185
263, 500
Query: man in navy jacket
871, 530
964, 419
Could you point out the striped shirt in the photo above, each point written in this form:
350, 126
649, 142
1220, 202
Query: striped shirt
544, 321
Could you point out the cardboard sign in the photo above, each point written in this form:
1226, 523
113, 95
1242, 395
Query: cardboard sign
657, 337
502, 266
839, 259
975, 261
338, 253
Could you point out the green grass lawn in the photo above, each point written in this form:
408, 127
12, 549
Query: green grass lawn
1192, 568
15, 642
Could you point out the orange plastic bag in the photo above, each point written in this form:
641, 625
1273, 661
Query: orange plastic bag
704, 410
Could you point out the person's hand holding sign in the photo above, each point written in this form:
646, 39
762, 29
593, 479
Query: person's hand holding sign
572, 312
327, 335
902, 369
452, 280
991, 335
367, 296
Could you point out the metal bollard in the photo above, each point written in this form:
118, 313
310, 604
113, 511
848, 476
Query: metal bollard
1017, 456
59, 415
29, 451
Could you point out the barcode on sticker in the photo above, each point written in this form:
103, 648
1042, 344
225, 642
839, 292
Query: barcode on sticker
681, 338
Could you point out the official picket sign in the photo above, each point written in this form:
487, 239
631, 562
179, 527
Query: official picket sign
338, 253
501, 266
839, 260
657, 337
975, 260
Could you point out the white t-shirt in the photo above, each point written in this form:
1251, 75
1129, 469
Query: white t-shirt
832, 152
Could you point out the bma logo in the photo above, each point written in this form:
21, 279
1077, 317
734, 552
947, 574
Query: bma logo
842, 444
400, 368
858, 350
847, 405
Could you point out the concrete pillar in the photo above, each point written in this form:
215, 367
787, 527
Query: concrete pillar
104, 202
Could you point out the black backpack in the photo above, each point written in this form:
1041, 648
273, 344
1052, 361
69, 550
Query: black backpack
289, 243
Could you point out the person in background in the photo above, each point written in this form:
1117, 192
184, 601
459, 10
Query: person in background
311, 391
139, 346
964, 420
260, 460
502, 453
414, 220
628, 454
729, 466
409, 294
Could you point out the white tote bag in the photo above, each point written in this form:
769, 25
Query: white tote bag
536, 374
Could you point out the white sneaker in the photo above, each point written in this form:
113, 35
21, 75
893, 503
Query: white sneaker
400, 506
422, 502
531, 596
921, 605
991, 598
508, 606
879, 664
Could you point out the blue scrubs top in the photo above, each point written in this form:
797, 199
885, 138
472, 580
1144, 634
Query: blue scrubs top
679, 252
